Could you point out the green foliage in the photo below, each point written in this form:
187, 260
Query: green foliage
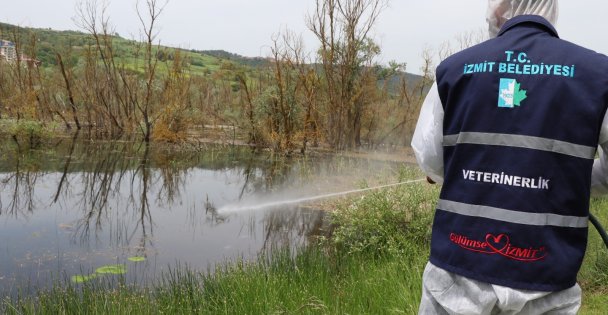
83, 278
49, 42
593, 276
137, 259
248, 61
118, 269
112, 269
197, 63
391, 221
27, 132
594, 273
306, 282
27, 129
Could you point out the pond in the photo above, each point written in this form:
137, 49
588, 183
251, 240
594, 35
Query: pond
74, 209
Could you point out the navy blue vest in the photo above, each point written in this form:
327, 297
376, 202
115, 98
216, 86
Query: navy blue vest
523, 113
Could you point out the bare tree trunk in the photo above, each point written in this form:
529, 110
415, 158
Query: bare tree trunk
154, 11
253, 132
69, 90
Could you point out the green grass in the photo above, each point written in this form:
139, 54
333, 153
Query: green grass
371, 263
312, 283
593, 276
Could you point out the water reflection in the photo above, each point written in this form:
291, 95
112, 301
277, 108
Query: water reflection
20, 185
79, 205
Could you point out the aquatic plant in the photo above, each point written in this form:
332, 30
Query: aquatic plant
118, 269
83, 278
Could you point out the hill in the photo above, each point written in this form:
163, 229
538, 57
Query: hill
45, 43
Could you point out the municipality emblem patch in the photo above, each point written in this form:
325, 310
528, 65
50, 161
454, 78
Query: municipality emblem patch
510, 93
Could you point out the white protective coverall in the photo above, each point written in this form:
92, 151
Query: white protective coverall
444, 292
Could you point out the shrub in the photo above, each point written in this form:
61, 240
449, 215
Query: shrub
391, 221
26, 132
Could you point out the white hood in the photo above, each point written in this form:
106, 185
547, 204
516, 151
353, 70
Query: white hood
500, 11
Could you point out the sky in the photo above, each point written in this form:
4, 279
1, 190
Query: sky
404, 30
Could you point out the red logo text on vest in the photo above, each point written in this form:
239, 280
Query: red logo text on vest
499, 244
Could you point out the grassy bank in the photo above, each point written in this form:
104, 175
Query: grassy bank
370, 263
593, 276
310, 284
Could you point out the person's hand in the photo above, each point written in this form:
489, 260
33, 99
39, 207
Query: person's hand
429, 180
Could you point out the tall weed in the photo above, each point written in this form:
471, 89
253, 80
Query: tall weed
391, 221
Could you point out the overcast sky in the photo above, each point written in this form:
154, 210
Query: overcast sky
245, 27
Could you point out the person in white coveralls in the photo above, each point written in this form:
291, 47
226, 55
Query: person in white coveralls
510, 129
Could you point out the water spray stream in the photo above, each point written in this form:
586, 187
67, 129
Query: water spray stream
238, 207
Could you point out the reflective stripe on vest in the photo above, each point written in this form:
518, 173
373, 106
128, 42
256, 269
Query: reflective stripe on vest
520, 141
538, 219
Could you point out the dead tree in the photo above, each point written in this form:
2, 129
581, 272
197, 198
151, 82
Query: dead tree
343, 27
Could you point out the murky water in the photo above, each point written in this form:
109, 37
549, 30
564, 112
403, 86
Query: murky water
74, 206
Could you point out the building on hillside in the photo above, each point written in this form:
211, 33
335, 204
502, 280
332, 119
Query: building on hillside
7, 50
29, 61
